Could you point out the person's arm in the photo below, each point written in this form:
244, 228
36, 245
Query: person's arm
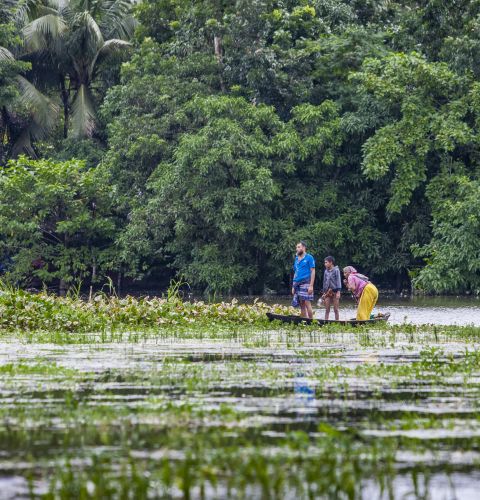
292, 275
312, 280
351, 284
338, 279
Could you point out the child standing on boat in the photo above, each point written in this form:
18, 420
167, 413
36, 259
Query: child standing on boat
332, 285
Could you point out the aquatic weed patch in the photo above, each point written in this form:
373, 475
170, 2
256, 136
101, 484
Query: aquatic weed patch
23, 311
41, 368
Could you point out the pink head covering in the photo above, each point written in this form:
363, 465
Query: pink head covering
349, 269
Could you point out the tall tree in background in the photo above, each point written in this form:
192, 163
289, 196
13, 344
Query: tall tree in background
269, 53
67, 41
452, 255
25, 113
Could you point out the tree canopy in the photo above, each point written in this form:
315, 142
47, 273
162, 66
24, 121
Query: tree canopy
219, 133
57, 222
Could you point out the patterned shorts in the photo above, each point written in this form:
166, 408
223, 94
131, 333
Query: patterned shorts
301, 293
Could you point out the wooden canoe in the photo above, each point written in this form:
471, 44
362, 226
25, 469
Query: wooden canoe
298, 320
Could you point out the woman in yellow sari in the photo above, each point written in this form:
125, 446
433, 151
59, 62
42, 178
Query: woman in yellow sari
365, 292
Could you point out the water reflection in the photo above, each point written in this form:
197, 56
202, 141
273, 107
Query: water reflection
423, 314
303, 388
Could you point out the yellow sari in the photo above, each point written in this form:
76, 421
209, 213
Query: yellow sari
367, 302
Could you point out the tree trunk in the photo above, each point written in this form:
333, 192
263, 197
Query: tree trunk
398, 284
217, 44
94, 270
66, 109
4, 139
119, 280
62, 288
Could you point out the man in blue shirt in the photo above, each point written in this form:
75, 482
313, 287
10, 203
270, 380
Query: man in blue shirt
303, 280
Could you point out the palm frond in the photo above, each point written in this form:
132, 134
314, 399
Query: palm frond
25, 11
93, 32
109, 49
38, 32
117, 21
128, 27
6, 55
28, 10
44, 111
83, 113
66, 11
45, 10
7, 8
56, 4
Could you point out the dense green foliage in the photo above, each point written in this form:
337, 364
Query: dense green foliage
236, 128
56, 221
453, 254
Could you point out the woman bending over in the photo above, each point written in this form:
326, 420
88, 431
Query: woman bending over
365, 292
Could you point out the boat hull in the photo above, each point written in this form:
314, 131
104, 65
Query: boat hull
298, 320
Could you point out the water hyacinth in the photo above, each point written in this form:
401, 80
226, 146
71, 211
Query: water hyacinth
20, 310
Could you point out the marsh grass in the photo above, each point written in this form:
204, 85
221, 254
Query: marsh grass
84, 443
303, 469
40, 368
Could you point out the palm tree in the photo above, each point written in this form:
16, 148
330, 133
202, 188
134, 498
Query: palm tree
25, 113
17, 129
67, 40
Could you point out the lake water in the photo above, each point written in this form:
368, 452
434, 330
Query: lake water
249, 414
242, 412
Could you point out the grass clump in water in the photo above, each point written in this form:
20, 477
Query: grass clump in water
24, 368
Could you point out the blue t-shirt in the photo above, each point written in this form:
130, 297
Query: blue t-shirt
302, 268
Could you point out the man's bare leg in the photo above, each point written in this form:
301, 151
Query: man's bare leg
308, 309
327, 307
303, 309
